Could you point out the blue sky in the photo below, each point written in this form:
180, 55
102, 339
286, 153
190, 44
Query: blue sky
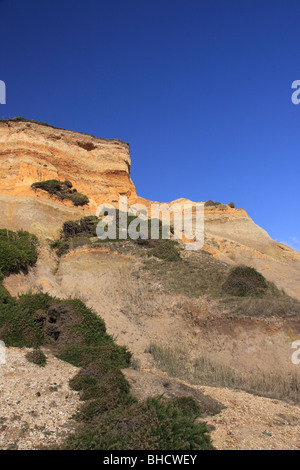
200, 89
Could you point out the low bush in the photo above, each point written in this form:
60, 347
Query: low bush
63, 190
156, 424
18, 251
245, 281
211, 203
37, 357
77, 233
85, 227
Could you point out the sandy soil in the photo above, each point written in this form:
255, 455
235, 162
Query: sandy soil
36, 402
237, 420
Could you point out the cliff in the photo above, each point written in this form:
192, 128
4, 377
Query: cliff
100, 169
31, 152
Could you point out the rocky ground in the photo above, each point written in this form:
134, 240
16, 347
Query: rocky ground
37, 406
237, 420
37, 403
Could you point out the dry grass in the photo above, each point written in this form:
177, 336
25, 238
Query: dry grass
194, 276
279, 305
175, 361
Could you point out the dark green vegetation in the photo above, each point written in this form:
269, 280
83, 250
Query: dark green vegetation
156, 424
212, 203
110, 418
63, 190
17, 251
37, 357
241, 290
83, 232
244, 281
219, 205
22, 119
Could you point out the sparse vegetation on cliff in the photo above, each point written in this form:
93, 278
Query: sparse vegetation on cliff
22, 119
176, 362
110, 417
63, 190
83, 232
244, 281
18, 251
219, 205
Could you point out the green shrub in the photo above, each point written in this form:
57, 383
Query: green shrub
4, 295
18, 251
211, 203
156, 424
62, 189
85, 227
245, 281
231, 204
78, 199
62, 247
77, 233
167, 250
18, 326
35, 302
37, 357
51, 186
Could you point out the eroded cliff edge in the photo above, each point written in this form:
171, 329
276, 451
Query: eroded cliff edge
31, 152
100, 169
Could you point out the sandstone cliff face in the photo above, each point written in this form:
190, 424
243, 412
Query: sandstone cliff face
30, 152
100, 169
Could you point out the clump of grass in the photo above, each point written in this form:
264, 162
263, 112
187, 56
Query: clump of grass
63, 190
245, 281
276, 304
135, 363
37, 357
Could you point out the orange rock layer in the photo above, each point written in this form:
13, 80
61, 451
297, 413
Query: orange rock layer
98, 168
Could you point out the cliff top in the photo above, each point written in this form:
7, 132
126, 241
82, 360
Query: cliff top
21, 119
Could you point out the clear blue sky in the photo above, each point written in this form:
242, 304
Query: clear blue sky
200, 89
